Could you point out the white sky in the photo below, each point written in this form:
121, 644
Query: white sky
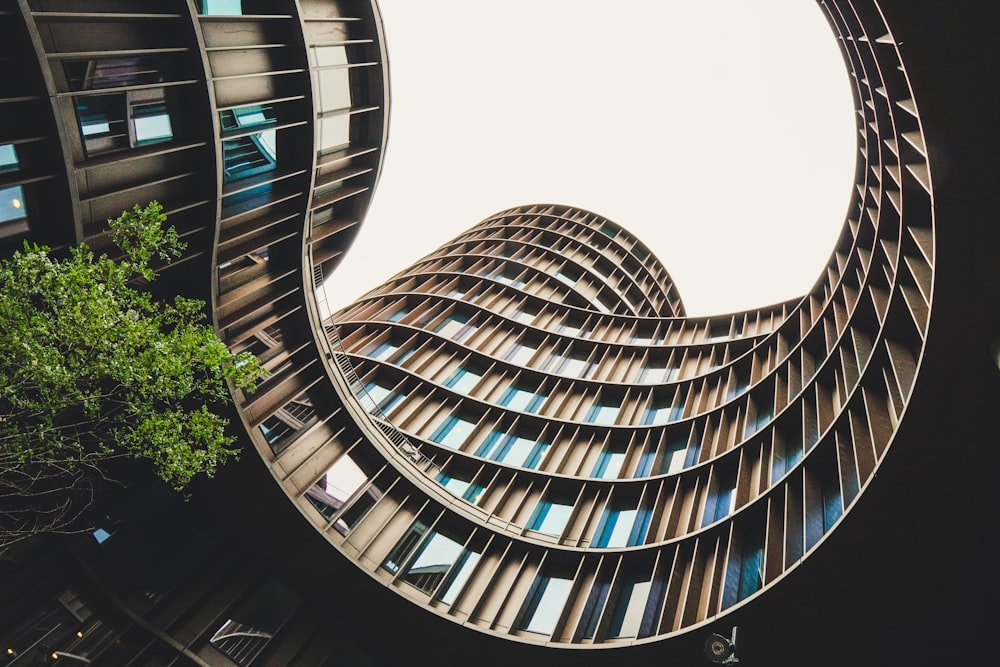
720, 132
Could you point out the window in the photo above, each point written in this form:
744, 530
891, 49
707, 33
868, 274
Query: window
525, 400
382, 351
399, 313
660, 411
455, 326
508, 278
525, 316
513, 450
432, 562
462, 380
399, 554
745, 572
12, 204
628, 612
452, 432
335, 487
656, 373
123, 120
602, 413
379, 399
551, 517
568, 275
520, 354
609, 464
622, 525
251, 626
222, 7
756, 423
575, 365
545, 603
8, 158
104, 73
721, 500
675, 458
464, 489
248, 153
460, 574
150, 118
119, 120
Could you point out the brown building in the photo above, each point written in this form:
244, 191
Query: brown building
520, 448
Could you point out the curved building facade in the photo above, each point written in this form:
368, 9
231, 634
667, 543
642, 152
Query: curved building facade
520, 446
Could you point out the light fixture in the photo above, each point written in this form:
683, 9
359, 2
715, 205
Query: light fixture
79, 633
16, 203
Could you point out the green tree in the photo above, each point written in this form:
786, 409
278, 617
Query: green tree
94, 369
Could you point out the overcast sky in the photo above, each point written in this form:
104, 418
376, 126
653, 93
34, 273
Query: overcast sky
720, 132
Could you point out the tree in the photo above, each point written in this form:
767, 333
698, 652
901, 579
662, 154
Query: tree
94, 369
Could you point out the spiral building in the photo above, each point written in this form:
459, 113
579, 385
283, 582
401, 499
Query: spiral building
521, 446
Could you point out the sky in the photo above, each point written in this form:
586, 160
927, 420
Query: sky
720, 132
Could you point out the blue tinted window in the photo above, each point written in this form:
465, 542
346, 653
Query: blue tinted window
545, 604
462, 380
524, 400
550, 517
12, 204
603, 414
452, 432
609, 464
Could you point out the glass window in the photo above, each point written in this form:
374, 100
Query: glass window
222, 7
661, 411
464, 489
12, 204
380, 399
603, 414
513, 450
455, 326
516, 398
609, 464
253, 623
755, 424
745, 573
622, 525
568, 276
720, 502
525, 316
629, 609
383, 351
508, 278
8, 158
404, 547
399, 313
435, 558
150, 118
334, 132
452, 432
520, 354
103, 73
657, 373
575, 365
123, 120
545, 604
462, 380
341, 481
460, 574
551, 517
615, 528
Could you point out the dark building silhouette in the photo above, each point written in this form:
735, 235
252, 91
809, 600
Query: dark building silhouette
520, 448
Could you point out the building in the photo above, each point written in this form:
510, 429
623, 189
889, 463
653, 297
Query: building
520, 447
